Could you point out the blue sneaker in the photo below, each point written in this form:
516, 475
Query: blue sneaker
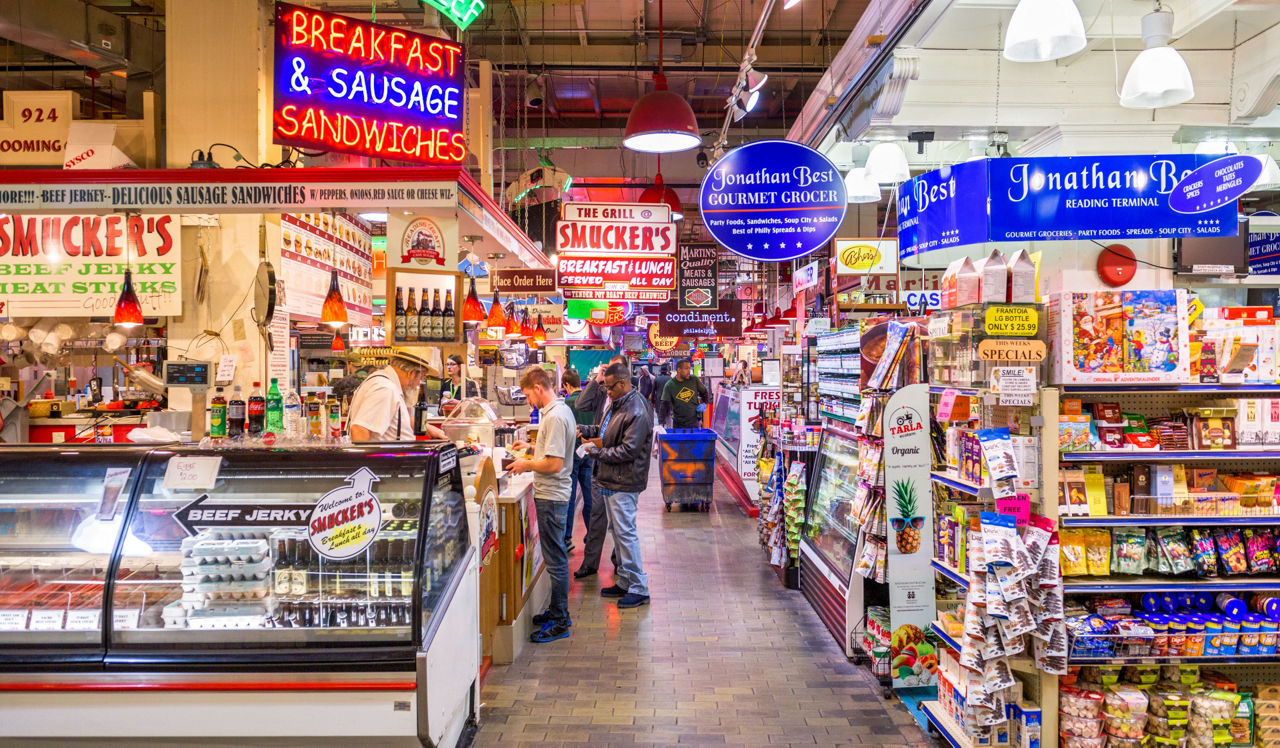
543, 618
550, 632
632, 600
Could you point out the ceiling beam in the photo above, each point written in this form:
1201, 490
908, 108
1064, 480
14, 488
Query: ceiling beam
828, 10
595, 98
580, 18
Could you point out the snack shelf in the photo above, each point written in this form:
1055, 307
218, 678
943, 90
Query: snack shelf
1170, 455
1217, 660
943, 637
950, 572
938, 389
828, 414
946, 727
1242, 583
1205, 389
982, 492
1169, 520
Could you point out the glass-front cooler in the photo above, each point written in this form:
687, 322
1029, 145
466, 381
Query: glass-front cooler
831, 526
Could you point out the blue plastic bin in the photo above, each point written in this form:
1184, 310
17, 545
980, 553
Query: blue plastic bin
687, 466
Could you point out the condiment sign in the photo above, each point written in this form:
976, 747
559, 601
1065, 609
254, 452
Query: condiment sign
1011, 320
347, 519
866, 257
616, 277
350, 86
725, 321
74, 265
772, 200
697, 276
1012, 350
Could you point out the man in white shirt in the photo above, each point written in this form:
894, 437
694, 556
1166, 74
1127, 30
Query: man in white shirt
379, 412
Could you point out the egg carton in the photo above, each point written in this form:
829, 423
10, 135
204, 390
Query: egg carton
174, 615
222, 551
195, 571
249, 590
227, 533
209, 619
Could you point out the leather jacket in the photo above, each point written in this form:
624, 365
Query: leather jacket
622, 464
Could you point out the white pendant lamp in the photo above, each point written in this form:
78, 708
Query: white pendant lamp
1044, 30
1217, 147
1270, 177
887, 164
1159, 76
860, 188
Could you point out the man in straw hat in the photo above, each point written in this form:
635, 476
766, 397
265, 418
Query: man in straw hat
379, 412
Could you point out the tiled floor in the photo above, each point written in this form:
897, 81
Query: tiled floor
723, 655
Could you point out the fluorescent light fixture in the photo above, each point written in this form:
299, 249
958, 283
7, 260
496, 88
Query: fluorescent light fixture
887, 164
1044, 30
1159, 77
374, 216
860, 188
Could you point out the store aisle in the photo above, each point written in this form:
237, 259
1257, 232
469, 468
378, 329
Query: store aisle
723, 655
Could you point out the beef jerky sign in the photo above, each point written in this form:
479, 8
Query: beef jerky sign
697, 276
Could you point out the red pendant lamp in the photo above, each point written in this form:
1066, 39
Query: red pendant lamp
526, 325
512, 330
659, 193
334, 311
472, 308
776, 320
540, 332
661, 121
128, 311
338, 345
497, 321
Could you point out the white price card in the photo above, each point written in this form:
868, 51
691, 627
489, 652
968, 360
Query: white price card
47, 620
1016, 385
125, 620
192, 473
14, 620
226, 369
84, 620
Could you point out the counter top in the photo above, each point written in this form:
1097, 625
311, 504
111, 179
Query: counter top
515, 488
85, 418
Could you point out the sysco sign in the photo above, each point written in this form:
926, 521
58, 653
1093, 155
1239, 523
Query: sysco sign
350, 86
1076, 197
772, 200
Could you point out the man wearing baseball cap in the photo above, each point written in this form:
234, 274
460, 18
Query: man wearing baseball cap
379, 412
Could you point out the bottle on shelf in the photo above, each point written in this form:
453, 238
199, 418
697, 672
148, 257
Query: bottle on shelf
406, 569
390, 571
412, 328
313, 417
377, 561
236, 414
218, 415
426, 319
284, 569
420, 412
275, 409
257, 411
437, 317
294, 420
335, 417
400, 323
303, 565
450, 327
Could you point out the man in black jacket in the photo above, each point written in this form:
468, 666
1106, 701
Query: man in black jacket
595, 400
623, 441
660, 386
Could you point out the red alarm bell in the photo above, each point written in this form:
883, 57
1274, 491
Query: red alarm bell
1117, 265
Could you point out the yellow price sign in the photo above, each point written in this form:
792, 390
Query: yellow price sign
1020, 321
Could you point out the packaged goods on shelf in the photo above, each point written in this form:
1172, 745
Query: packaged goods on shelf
1136, 337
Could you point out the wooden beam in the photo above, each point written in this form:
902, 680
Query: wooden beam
580, 18
828, 9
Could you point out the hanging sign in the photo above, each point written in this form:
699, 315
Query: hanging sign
1264, 254
662, 343
1073, 197
697, 276
1216, 184
616, 212
461, 12
74, 265
347, 519
725, 321
350, 86
615, 227
532, 281
772, 200
805, 278
616, 277
866, 257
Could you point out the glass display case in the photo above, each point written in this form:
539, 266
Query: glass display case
967, 342
474, 421
276, 557
831, 524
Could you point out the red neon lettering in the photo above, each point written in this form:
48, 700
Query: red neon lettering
415, 53
357, 42
287, 113
317, 29
337, 28
375, 36
298, 28
397, 45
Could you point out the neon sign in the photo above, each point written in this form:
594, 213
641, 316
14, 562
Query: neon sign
461, 12
347, 85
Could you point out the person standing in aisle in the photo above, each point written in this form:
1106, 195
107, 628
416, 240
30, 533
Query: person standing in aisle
379, 412
451, 389
595, 399
686, 396
645, 383
622, 442
552, 466
582, 464
659, 388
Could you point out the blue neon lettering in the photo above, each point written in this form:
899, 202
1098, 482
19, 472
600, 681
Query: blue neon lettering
339, 87
397, 85
415, 98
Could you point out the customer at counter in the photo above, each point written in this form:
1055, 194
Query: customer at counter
379, 412
452, 389
595, 399
551, 466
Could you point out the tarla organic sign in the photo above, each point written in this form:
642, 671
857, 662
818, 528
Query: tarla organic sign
351, 86
73, 265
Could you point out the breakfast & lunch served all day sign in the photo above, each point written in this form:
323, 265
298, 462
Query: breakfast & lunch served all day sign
616, 252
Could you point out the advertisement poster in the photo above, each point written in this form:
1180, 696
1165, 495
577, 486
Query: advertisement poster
313, 243
74, 265
697, 276
752, 400
909, 503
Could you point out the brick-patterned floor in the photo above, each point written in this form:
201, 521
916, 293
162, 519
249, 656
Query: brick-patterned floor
723, 655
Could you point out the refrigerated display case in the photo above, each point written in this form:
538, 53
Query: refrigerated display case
297, 573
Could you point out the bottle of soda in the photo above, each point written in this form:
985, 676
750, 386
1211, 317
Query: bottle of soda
294, 420
257, 412
218, 416
275, 409
236, 414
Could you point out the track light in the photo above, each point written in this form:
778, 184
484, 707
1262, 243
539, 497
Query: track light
703, 161
533, 96
754, 79
742, 101
1159, 76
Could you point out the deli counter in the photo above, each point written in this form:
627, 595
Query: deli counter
249, 592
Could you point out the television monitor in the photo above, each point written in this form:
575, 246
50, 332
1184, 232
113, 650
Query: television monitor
1213, 255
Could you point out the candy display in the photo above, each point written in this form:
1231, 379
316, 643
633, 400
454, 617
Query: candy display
1198, 552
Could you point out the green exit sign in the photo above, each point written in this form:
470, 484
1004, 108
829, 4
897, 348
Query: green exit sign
461, 12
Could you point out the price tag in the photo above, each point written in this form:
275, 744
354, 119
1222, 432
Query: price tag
1019, 506
1016, 385
194, 473
125, 620
1011, 320
84, 620
47, 620
14, 620
946, 403
5, 383
226, 369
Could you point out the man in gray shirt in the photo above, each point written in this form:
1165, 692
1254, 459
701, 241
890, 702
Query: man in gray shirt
552, 467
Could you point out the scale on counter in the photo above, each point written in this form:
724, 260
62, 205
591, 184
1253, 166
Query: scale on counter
195, 376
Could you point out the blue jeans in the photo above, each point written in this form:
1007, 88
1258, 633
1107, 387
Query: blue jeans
551, 515
621, 506
580, 476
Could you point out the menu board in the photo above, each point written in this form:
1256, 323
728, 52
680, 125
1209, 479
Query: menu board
311, 245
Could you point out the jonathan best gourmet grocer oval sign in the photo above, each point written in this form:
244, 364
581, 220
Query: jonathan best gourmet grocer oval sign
773, 200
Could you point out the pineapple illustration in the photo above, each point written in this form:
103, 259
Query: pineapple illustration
908, 525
